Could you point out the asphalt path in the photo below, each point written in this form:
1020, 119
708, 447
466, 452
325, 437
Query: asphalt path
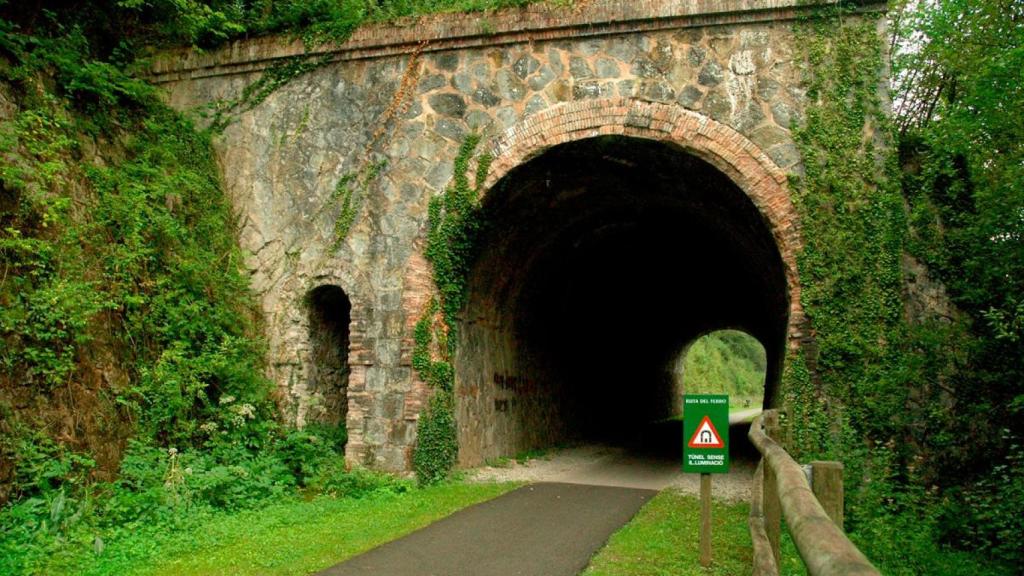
546, 529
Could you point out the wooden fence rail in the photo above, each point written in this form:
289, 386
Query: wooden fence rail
780, 489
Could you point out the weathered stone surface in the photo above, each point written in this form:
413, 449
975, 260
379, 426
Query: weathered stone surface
662, 56
478, 119
450, 129
785, 155
508, 86
784, 114
696, 56
525, 66
587, 89
607, 68
446, 61
690, 97
926, 298
431, 82
542, 78
710, 75
645, 68
534, 105
718, 106
448, 104
769, 136
282, 160
658, 91
767, 88
485, 97
463, 82
742, 63
580, 68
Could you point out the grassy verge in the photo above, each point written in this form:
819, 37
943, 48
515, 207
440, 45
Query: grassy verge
292, 537
662, 539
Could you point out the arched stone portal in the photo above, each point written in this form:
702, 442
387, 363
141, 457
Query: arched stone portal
619, 231
329, 317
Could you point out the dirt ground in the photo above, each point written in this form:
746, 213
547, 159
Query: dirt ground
613, 466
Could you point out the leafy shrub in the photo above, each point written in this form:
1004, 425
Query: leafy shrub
436, 442
335, 480
988, 515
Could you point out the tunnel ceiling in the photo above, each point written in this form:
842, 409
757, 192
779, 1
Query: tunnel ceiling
605, 257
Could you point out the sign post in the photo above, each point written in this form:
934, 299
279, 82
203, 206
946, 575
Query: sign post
705, 452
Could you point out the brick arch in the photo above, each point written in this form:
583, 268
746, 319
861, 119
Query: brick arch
718, 144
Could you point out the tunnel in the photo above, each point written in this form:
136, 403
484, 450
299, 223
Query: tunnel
600, 261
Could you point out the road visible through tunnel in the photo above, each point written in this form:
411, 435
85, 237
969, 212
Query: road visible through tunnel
657, 465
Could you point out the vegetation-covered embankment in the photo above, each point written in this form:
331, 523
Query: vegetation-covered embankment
131, 365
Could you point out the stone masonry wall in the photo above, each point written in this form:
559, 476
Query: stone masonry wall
732, 62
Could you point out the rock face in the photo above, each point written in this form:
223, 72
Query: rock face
729, 64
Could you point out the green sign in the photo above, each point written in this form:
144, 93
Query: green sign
706, 433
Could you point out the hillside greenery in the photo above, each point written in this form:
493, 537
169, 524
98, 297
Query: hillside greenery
922, 405
131, 362
131, 387
724, 362
959, 92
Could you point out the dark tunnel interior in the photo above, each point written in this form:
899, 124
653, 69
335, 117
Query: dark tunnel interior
602, 259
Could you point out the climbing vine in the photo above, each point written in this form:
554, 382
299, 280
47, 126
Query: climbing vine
857, 404
852, 219
455, 223
353, 186
223, 112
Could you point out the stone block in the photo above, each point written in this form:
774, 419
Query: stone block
448, 104
710, 75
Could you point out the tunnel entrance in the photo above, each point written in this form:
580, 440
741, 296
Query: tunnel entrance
329, 316
603, 258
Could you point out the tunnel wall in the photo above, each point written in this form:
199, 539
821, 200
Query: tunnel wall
662, 172
721, 79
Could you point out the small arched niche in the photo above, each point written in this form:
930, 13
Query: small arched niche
723, 362
329, 315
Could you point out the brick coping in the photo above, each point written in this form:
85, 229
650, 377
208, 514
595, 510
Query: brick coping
451, 31
742, 161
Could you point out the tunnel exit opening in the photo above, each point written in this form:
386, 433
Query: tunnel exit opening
602, 259
729, 362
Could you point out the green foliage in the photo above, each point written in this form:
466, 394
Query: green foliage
223, 112
455, 223
117, 243
960, 105
436, 443
662, 539
289, 536
854, 229
349, 195
725, 362
210, 23
454, 228
884, 394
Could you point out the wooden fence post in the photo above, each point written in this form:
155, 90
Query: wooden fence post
705, 520
772, 507
827, 485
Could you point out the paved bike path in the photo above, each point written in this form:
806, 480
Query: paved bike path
547, 529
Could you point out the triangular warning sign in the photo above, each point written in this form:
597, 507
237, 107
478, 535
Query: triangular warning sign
706, 436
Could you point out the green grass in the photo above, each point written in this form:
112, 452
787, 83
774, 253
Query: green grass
662, 540
293, 537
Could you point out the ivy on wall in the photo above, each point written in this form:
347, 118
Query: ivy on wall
853, 227
455, 223
861, 402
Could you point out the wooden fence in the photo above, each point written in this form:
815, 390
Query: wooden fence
814, 516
